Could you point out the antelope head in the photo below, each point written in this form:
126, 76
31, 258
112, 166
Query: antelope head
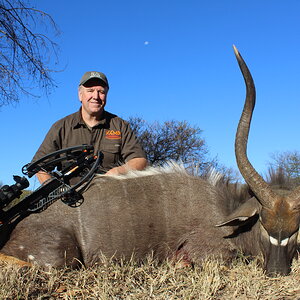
279, 215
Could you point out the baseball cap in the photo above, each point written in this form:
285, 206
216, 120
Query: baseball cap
93, 74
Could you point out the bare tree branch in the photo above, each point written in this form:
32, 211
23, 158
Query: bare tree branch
25, 55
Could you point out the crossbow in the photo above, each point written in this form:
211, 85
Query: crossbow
74, 162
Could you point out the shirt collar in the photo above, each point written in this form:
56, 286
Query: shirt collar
78, 121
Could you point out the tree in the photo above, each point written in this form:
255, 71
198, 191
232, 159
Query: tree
288, 162
173, 140
284, 168
24, 53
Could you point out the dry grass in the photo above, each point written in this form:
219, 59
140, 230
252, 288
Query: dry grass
110, 280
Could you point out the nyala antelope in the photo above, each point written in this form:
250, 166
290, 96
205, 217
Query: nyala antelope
169, 213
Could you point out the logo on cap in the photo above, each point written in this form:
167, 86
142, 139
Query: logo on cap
95, 74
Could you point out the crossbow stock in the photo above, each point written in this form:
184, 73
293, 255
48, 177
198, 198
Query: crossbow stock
77, 161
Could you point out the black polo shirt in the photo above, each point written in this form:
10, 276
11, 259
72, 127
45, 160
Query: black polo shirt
113, 136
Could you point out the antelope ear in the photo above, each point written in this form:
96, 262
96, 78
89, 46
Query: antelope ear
244, 212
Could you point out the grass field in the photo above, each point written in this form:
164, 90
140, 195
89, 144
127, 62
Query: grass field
150, 280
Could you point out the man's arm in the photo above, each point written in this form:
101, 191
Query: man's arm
49, 145
138, 163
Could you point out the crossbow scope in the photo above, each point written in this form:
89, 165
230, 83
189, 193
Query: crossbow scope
10, 192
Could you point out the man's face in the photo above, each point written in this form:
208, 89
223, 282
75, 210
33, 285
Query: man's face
93, 97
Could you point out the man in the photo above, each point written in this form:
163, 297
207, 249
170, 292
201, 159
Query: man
93, 125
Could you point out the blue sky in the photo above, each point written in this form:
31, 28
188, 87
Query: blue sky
171, 60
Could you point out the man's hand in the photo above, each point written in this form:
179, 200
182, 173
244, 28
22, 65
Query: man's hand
42, 176
133, 164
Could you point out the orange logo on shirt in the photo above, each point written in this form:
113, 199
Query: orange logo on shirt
113, 134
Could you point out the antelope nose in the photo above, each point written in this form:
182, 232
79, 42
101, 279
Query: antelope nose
278, 262
278, 272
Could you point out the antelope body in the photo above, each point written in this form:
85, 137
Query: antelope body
169, 214
161, 213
